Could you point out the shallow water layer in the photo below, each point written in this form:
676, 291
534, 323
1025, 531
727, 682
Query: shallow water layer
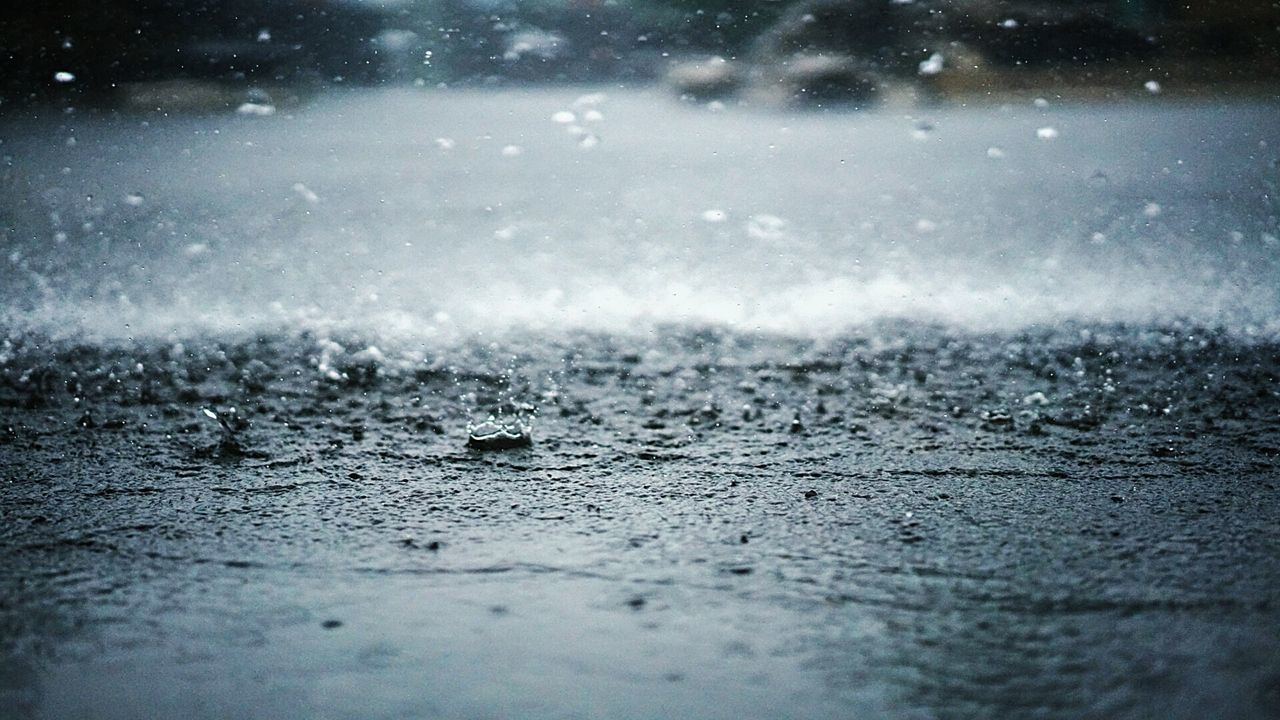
904, 521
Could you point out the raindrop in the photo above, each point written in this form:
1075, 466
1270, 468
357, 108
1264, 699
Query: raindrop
564, 117
306, 193
714, 216
588, 141
1152, 210
588, 100
932, 66
1152, 87
445, 143
1098, 238
134, 200
63, 76
1040, 103
593, 116
1047, 133
264, 35
512, 151
995, 153
766, 227
493, 434
253, 109
925, 225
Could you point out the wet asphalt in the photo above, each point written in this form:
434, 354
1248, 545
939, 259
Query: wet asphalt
910, 522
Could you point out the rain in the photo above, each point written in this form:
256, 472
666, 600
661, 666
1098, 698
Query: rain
639, 359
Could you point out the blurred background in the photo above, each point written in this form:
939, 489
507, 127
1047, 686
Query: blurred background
426, 164
197, 53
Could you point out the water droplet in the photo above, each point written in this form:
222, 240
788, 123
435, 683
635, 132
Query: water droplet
588, 141
588, 100
253, 109
925, 225
1047, 133
494, 434
445, 143
932, 66
512, 151
264, 35
134, 200
63, 76
306, 193
564, 117
766, 227
1152, 87
714, 216
1040, 103
1152, 210
995, 153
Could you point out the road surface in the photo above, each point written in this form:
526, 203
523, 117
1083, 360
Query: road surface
915, 413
